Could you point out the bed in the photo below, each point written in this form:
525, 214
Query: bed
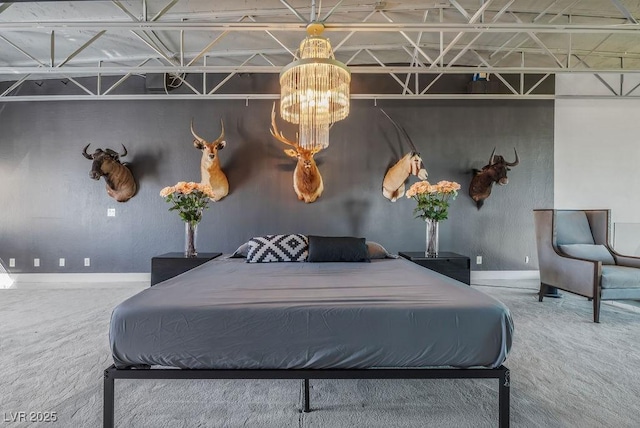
389, 318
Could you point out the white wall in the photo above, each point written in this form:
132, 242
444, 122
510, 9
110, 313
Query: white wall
597, 149
597, 153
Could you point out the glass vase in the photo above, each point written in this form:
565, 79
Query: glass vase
432, 239
190, 237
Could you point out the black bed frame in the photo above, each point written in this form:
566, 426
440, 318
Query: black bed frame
501, 373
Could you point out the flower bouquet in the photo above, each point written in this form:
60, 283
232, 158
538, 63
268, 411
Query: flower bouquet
433, 207
189, 199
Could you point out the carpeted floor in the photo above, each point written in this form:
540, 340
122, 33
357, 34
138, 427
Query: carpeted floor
566, 371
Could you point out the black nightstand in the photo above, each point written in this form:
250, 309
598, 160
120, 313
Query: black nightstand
168, 265
453, 265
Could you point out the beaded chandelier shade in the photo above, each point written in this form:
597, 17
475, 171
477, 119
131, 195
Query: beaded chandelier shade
314, 90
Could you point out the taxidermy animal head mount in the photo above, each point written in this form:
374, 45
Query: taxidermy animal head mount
409, 164
210, 170
494, 172
106, 163
307, 181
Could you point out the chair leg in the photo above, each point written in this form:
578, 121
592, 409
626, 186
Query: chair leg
542, 292
596, 308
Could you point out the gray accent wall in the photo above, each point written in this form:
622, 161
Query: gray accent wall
52, 209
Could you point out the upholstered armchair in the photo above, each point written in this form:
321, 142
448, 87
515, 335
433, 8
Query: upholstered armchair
574, 255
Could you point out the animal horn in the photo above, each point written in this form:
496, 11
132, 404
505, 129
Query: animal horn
516, 162
402, 130
491, 157
124, 153
85, 154
196, 136
221, 137
278, 134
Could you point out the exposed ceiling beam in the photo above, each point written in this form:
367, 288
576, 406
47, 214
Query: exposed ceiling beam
625, 12
427, 27
251, 96
369, 69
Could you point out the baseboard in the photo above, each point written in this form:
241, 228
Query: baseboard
504, 274
82, 277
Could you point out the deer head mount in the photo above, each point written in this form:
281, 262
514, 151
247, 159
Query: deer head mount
210, 169
106, 163
307, 181
409, 164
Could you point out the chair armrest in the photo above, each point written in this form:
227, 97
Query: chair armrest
572, 274
629, 261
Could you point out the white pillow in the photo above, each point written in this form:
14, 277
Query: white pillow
377, 251
241, 252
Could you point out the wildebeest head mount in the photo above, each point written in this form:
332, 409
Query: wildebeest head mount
106, 163
99, 157
494, 172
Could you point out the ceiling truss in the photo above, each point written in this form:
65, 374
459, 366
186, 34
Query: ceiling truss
430, 49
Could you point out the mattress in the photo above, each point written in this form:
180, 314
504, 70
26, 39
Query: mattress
390, 313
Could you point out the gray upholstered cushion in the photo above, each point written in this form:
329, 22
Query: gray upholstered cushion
597, 253
572, 227
620, 277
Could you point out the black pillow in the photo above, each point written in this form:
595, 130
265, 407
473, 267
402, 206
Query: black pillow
337, 249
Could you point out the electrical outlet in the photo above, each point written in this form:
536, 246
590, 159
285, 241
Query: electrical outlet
526, 259
12, 262
61, 262
478, 260
87, 261
36, 262
111, 212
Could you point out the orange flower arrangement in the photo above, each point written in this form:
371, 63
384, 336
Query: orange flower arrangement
433, 199
189, 199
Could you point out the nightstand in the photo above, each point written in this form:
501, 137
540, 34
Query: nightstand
453, 265
168, 265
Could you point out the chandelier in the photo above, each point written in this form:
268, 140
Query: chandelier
314, 90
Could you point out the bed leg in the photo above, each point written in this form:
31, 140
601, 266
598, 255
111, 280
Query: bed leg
504, 399
108, 397
306, 397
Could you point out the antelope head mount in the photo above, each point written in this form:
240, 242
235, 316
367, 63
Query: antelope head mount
409, 164
210, 169
307, 181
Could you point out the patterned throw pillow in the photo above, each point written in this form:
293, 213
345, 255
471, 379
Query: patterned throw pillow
278, 248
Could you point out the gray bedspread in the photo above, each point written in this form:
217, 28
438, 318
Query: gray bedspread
387, 313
